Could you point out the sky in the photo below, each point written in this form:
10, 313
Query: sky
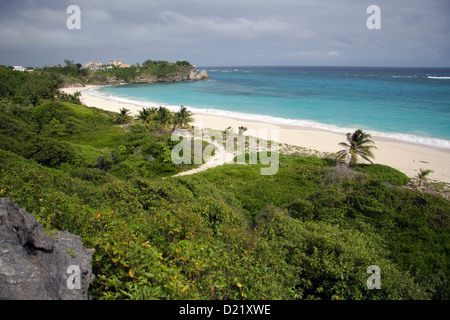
414, 33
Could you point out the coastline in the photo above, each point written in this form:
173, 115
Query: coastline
406, 157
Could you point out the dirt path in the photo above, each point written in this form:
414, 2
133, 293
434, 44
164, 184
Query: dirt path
220, 157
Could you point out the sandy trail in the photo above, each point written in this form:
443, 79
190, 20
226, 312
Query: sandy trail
220, 157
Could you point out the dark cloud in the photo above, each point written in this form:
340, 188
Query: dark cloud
212, 32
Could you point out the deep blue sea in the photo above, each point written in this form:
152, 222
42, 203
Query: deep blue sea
411, 104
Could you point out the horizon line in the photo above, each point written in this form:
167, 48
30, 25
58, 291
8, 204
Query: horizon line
285, 66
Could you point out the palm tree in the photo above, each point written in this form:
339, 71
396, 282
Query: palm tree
175, 121
184, 116
145, 115
163, 116
359, 144
423, 175
227, 131
242, 129
123, 116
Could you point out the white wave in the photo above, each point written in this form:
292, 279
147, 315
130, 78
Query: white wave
226, 70
428, 141
141, 103
442, 78
395, 76
433, 142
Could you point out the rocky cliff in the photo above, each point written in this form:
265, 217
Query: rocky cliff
36, 266
185, 74
188, 74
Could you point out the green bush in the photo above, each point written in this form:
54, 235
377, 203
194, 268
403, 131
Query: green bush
96, 176
11, 82
49, 152
301, 209
384, 174
328, 262
40, 87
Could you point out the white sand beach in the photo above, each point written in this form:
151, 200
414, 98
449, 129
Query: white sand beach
406, 157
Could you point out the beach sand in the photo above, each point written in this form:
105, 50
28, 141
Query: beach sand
406, 157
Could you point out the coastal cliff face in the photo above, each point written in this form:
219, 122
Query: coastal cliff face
189, 74
35, 266
147, 72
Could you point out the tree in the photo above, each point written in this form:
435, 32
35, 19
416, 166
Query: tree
183, 63
423, 175
70, 97
183, 117
69, 62
359, 144
163, 116
11, 81
145, 115
147, 64
40, 86
176, 121
124, 116
126, 74
227, 131
242, 129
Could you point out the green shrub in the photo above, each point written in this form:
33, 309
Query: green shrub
301, 209
40, 86
95, 176
384, 173
49, 152
328, 262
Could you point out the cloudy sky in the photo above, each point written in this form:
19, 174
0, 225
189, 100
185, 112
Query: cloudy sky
227, 32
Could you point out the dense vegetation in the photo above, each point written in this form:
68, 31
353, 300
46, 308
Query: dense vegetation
75, 73
13, 83
308, 232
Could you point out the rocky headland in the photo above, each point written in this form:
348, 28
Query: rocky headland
184, 74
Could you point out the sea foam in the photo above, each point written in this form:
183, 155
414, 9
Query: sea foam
440, 78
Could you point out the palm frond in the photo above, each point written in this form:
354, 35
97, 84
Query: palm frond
359, 144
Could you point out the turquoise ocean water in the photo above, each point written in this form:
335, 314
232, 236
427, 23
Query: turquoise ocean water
410, 104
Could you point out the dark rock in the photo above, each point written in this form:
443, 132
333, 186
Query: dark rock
33, 265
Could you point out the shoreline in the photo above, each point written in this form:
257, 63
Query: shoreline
407, 157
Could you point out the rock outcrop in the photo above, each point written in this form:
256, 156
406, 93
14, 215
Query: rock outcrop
203, 75
184, 74
189, 74
35, 266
